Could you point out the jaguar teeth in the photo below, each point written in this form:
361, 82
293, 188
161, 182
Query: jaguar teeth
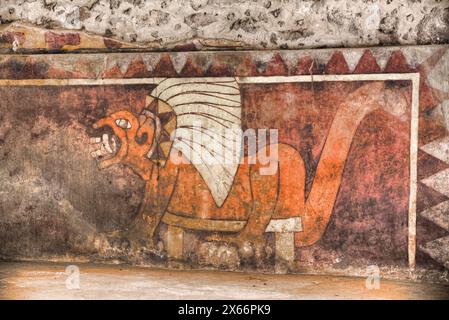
96, 154
106, 144
103, 145
94, 140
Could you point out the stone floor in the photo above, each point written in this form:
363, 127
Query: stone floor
49, 281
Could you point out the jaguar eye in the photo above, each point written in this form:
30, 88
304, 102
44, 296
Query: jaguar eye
122, 123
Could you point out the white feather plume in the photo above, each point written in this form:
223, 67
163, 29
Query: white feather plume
208, 129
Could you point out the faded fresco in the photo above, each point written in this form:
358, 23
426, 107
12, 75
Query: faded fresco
243, 196
273, 161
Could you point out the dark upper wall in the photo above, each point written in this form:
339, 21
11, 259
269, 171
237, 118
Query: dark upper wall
263, 24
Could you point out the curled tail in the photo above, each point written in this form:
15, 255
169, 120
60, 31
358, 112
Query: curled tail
329, 173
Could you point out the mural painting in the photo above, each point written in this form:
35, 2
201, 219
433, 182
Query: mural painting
230, 161
232, 195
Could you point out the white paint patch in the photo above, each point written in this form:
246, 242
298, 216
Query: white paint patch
352, 57
150, 61
285, 225
438, 148
439, 182
178, 60
417, 55
95, 140
382, 56
437, 249
437, 77
438, 214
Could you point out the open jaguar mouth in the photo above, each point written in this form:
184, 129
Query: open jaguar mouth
121, 138
105, 145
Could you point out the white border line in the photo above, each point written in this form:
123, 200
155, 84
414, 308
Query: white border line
413, 77
243, 80
413, 172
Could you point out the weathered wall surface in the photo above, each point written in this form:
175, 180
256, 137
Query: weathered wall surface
273, 24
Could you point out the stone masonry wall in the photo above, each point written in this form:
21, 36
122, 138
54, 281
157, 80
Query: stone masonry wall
260, 24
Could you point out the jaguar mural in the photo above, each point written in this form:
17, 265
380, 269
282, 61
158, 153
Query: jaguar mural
285, 161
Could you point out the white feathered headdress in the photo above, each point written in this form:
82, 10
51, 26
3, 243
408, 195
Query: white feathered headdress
203, 117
